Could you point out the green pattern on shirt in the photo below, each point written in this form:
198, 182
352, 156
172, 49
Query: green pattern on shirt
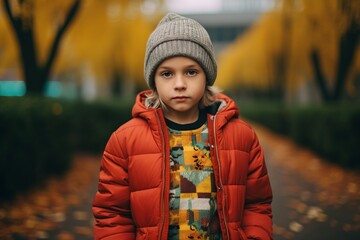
193, 207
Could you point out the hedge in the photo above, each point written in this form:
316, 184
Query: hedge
39, 135
92, 123
333, 130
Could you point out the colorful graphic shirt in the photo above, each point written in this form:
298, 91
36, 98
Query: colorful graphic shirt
193, 212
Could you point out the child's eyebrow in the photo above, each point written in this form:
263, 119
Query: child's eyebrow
187, 66
193, 66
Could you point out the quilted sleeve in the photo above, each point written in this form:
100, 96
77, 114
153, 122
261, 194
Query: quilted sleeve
111, 205
257, 221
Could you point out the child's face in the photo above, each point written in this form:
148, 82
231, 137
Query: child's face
180, 83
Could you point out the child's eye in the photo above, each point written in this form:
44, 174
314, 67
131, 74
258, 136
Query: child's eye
166, 74
192, 72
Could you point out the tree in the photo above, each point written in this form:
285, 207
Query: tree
106, 43
109, 39
313, 44
348, 43
21, 15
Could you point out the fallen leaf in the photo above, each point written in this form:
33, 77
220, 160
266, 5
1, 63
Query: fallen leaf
296, 227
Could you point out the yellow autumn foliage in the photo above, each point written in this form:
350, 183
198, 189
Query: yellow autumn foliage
106, 36
111, 38
290, 31
8, 47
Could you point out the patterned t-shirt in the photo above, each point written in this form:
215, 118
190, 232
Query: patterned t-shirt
193, 213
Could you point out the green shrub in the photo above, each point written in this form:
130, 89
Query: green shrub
39, 135
270, 114
94, 122
33, 143
333, 131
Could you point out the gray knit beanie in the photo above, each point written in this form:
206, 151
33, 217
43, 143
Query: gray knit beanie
176, 35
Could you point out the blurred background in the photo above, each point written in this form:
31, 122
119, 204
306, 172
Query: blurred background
70, 70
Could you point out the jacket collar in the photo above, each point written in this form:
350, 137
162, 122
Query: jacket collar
224, 107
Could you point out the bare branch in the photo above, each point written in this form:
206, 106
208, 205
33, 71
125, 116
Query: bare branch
14, 21
55, 46
319, 75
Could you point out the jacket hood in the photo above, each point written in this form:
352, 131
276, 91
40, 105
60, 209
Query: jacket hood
139, 109
225, 108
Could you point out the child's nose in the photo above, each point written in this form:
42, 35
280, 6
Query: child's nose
180, 82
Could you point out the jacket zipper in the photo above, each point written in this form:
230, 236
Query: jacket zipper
164, 178
219, 166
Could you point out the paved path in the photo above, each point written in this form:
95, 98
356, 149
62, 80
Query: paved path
313, 200
61, 210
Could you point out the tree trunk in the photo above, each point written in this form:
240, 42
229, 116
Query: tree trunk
282, 60
346, 52
347, 48
36, 74
319, 76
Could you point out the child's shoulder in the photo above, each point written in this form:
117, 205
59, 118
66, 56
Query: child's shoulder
137, 123
239, 124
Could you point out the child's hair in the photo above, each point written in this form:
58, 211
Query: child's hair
153, 100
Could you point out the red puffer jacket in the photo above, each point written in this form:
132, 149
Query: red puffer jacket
132, 201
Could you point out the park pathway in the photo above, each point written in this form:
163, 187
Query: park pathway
313, 199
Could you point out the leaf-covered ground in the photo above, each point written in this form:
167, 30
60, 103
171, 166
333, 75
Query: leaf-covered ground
313, 199
59, 210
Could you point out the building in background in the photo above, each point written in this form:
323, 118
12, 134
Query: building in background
230, 19
246, 5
